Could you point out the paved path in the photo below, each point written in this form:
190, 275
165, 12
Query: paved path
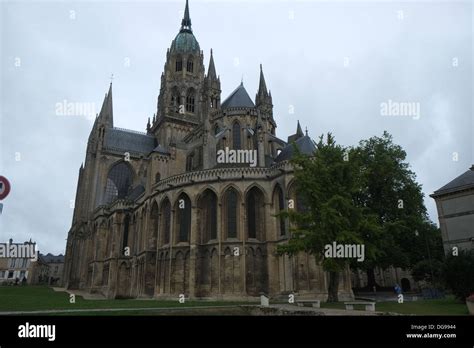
161, 309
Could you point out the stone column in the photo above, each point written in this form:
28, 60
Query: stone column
193, 240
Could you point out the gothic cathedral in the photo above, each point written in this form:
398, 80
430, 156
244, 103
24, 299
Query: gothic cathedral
158, 215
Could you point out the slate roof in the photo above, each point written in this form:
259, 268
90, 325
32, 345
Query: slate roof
161, 149
305, 145
184, 42
123, 140
48, 258
136, 192
238, 98
462, 182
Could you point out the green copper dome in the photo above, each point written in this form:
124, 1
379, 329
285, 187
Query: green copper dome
184, 42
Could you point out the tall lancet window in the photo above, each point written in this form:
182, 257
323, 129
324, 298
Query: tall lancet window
184, 218
190, 65
236, 136
231, 212
179, 64
190, 101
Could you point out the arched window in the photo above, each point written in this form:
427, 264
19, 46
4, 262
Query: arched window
190, 65
190, 101
231, 213
236, 136
166, 217
208, 208
184, 217
255, 213
157, 177
189, 162
179, 64
126, 226
118, 183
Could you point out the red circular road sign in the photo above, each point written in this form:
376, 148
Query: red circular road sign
4, 187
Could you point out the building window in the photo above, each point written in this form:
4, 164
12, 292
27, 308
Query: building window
10, 274
255, 213
190, 66
179, 65
157, 177
119, 181
236, 136
190, 102
184, 218
231, 213
2, 274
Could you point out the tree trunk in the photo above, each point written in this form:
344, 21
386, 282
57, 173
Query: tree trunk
371, 279
333, 287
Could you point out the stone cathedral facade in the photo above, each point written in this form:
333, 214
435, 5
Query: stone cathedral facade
157, 215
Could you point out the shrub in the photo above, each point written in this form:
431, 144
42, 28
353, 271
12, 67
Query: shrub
459, 274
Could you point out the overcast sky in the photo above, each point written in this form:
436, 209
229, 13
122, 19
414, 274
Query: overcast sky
331, 63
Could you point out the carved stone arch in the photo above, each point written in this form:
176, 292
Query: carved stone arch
260, 188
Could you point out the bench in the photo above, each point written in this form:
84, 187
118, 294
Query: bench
369, 306
310, 303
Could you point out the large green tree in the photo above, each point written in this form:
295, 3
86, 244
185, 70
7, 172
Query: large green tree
390, 191
327, 184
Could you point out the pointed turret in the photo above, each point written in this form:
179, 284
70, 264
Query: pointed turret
299, 131
298, 135
211, 72
262, 87
212, 87
106, 115
186, 22
263, 99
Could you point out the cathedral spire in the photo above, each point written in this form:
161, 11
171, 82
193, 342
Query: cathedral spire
299, 131
262, 88
186, 22
106, 115
211, 73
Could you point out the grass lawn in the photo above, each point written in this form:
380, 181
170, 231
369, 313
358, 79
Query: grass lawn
33, 298
446, 306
